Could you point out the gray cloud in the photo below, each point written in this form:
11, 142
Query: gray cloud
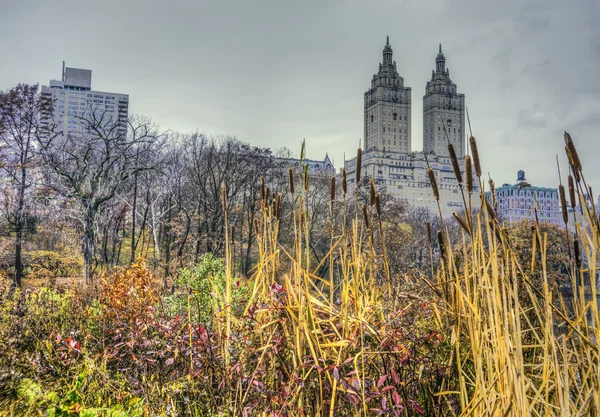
273, 72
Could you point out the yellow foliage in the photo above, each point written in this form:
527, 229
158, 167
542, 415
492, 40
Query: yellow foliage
128, 293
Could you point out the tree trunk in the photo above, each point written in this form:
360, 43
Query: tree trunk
133, 216
89, 243
20, 225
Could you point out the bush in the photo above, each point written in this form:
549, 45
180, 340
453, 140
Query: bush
205, 284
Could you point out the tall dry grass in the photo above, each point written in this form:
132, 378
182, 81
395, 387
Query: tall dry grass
520, 348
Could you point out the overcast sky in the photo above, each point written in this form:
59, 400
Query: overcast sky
274, 72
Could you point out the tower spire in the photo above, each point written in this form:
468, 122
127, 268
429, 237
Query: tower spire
387, 52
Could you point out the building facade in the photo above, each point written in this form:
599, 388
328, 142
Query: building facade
388, 157
387, 113
522, 201
443, 112
74, 101
314, 166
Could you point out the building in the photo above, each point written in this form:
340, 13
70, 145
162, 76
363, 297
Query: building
314, 167
387, 109
388, 157
74, 101
443, 112
522, 201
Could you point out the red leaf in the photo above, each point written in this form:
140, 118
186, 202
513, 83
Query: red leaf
336, 374
381, 381
384, 403
169, 361
396, 398
394, 376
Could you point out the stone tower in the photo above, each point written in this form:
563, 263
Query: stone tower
387, 109
443, 108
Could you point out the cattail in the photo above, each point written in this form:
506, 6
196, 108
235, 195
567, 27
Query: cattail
358, 165
440, 237
572, 192
372, 196
493, 193
332, 189
455, 164
577, 254
429, 233
378, 205
365, 215
573, 151
256, 226
306, 178
267, 195
232, 234
469, 173
490, 210
436, 193
224, 195
291, 180
279, 204
475, 153
462, 222
344, 181
563, 203
262, 187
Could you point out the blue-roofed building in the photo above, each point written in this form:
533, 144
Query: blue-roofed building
522, 201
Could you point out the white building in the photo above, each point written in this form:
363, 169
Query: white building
74, 100
388, 157
314, 166
522, 201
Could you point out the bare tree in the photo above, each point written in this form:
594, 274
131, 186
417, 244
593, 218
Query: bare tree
93, 165
21, 128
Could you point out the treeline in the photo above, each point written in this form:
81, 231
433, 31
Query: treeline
108, 195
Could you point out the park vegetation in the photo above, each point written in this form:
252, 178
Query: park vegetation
155, 273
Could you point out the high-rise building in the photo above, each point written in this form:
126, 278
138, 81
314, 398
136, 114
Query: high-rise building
75, 103
388, 157
387, 109
443, 112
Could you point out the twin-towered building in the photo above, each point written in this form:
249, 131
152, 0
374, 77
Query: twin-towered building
388, 155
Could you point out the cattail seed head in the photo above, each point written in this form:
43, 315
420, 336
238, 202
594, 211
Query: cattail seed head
262, 187
232, 234
372, 196
224, 195
332, 189
577, 254
475, 153
378, 205
469, 173
279, 204
490, 209
462, 222
291, 172
436, 193
365, 215
256, 226
563, 203
440, 237
572, 192
306, 178
455, 165
358, 165
429, 233
573, 151
344, 181
493, 193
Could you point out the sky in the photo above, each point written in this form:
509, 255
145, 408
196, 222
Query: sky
274, 72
